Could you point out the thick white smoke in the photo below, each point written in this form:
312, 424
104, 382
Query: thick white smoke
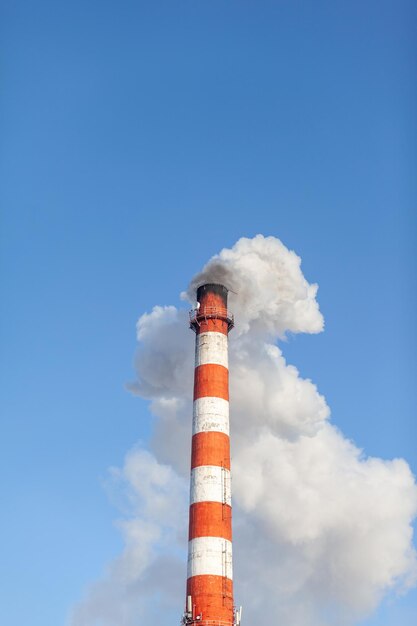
269, 292
321, 532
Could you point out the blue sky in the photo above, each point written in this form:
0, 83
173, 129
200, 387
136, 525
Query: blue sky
138, 139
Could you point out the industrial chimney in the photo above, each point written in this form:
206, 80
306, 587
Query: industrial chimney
209, 598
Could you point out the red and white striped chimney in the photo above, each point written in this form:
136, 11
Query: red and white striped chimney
210, 576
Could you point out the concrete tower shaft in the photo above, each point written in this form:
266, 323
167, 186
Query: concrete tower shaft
210, 573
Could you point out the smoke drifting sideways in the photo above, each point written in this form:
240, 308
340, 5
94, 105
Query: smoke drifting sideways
321, 532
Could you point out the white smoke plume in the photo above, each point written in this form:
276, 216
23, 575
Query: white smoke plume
321, 532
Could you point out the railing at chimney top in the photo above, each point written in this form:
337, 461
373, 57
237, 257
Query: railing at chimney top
209, 622
211, 312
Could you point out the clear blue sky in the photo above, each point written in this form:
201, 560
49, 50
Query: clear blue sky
138, 139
